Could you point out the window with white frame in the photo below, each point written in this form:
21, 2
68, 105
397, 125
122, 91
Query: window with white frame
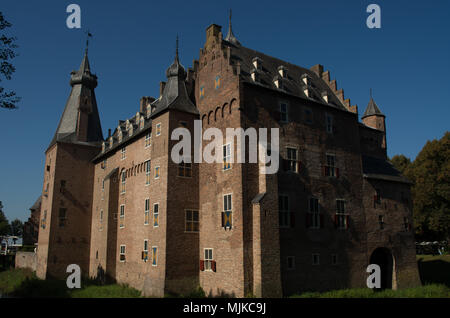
156, 215
292, 160
122, 253
330, 169
147, 172
148, 140
227, 157
147, 212
341, 218
123, 153
122, 216
283, 210
314, 219
192, 221
227, 214
208, 259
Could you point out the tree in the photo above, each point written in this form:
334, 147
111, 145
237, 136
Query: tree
17, 228
4, 224
8, 99
430, 173
401, 163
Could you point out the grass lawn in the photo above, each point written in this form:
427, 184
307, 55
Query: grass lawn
434, 273
24, 283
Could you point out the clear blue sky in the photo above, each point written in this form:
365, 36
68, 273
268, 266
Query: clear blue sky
406, 62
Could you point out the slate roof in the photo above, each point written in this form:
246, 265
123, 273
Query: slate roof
83, 83
292, 84
372, 109
376, 168
175, 94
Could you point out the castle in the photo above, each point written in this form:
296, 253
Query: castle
120, 208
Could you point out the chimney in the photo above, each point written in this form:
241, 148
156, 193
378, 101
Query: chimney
109, 132
143, 104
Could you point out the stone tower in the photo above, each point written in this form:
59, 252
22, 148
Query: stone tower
68, 180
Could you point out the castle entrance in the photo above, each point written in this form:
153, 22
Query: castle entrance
383, 257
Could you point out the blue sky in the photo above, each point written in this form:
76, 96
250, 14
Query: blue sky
406, 62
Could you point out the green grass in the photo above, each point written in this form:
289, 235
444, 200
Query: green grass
24, 283
427, 291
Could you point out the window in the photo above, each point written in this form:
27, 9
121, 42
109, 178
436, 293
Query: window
157, 172
104, 164
316, 259
122, 216
341, 218
147, 172
329, 123
202, 92
209, 259
290, 262
377, 197
123, 153
62, 217
227, 214
145, 251
44, 220
103, 185
330, 169
283, 208
158, 129
227, 157
154, 256
124, 179
381, 222
122, 253
147, 212
184, 169
314, 218
217, 82
334, 259
148, 139
101, 216
292, 162
308, 116
284, 112
192, 221
156, 215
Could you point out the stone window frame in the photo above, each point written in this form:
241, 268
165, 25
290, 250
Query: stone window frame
191, 221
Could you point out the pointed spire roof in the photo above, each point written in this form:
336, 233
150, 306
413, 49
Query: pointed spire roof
80, 121
230, 36
175, 94
372, 108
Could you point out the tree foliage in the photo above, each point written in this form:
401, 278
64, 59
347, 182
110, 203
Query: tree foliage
430, 173
17, 228
8, 99
4, 224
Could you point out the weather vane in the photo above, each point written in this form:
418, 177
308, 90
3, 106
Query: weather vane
88, 35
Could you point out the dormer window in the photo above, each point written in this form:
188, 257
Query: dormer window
306, 91
120, 133
141, 123
257, 63
149, 110
282, 71
138, 117
103, 146
111, 140
306, 80
254, 74
278, 82
325, 97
